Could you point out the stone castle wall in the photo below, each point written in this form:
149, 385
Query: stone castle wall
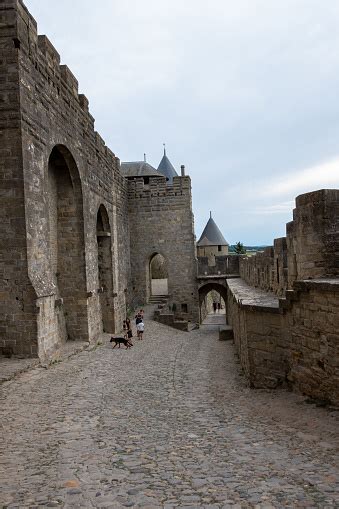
285, 308
161, 221
56, 172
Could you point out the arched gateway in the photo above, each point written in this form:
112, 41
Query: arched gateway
218, 292
158, 272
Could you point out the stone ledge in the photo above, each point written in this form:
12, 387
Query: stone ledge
253, 298
218, 276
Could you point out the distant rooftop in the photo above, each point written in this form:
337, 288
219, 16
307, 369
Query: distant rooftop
138, 169
211, 236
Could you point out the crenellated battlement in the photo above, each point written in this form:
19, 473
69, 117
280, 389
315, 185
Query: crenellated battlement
41, 61
157, 187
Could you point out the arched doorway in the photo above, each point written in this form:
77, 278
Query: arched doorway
212, 302
158, 275
105, 274
66, 244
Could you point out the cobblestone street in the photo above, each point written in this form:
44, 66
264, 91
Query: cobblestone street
168, 423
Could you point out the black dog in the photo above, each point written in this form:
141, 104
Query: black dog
119, 341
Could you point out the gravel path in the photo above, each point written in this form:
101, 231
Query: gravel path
168, 423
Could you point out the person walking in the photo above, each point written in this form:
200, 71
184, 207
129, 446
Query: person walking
219, 307
140, 329
129, 330
214, 306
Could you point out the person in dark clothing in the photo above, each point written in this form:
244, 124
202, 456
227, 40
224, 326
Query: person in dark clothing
214, 306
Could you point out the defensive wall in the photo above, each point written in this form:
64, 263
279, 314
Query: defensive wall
67, 215
284, 309
56, 174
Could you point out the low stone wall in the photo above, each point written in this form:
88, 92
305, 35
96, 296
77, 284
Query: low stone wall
256, 321
291, 341
168, 318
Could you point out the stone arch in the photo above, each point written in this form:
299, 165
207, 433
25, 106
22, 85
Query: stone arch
67, 245
205, 289
157, 271
105, 272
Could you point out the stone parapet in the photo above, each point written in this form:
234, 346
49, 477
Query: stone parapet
309, 250
291, 341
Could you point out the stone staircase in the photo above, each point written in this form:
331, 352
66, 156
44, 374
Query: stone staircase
158, 299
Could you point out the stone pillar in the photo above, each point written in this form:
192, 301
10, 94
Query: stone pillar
312, 237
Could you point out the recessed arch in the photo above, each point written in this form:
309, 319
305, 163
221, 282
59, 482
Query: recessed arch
105, 269
66, 244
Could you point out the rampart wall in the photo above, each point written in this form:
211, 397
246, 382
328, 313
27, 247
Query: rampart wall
56, 172
285, 308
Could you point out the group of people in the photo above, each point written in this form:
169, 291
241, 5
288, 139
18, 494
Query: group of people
216, 306
127, 327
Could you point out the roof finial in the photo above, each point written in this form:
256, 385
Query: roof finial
144, 157
210, 214
164, 144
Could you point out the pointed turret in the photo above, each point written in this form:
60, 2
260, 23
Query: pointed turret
212, 240
166, 168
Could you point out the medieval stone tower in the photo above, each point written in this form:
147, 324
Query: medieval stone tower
77, 236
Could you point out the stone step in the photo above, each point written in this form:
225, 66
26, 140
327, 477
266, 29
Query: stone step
154, 299
225, 333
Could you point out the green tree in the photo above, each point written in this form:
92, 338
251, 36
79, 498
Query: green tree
239, 248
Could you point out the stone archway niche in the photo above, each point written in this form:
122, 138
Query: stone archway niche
158, 275
66, 245
207, 294
105, 273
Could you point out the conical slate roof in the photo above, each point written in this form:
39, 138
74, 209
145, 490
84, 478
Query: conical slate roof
212, 236
138, 169
166, 168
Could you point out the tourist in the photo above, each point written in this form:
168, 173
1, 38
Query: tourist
140, 329
219, 307
138, 318
214, 306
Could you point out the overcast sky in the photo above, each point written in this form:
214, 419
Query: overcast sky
243, 92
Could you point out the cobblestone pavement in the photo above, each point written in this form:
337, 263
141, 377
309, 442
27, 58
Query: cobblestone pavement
168, 423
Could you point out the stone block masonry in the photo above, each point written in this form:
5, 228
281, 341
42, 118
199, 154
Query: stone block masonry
58, 180
285, 309
161, 222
